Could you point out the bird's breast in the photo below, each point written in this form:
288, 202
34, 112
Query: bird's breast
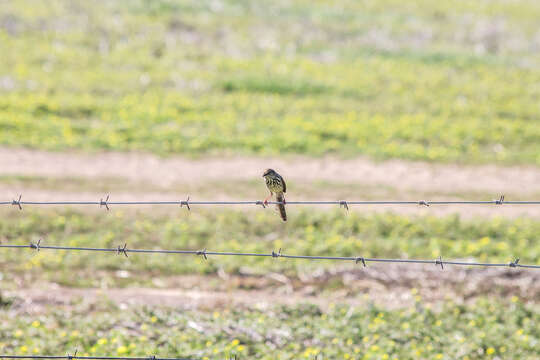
274, 184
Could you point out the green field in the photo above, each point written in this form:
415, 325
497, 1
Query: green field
492, 324
283, 81
307, 233
442, 81
485, 329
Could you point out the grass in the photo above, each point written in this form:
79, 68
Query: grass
430, 80
484, 329
307, 233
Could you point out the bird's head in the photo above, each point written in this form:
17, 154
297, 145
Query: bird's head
268, 172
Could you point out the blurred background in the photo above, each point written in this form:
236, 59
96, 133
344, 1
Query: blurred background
355, 100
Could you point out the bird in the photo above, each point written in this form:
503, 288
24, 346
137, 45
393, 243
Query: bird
276, 184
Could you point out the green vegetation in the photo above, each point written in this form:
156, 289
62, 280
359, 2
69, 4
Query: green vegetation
440, 81
484, 329
307, 233
444, 81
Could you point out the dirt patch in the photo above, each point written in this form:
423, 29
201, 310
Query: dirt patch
389, 287
402, 175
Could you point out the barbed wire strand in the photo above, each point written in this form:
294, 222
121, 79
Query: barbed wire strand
205, 253
342, 203
73, 357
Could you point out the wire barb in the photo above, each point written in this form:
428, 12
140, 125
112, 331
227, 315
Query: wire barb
423, 202
104, 203
500, 200
439, 262
122, 250
358, 259
185, 202
259, 202
70, 357
35, 246
276, 255
202, 253
514, 263
343, 203
17, 202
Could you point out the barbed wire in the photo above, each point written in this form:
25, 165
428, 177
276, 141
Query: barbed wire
205, 253
342, 203
73, 357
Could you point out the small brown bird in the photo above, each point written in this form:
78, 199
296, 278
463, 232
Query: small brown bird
276, 184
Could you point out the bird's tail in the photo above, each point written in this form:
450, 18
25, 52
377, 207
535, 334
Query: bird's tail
280, 198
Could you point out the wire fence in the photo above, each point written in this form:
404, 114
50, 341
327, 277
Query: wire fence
204, 253
188, 203
124, 250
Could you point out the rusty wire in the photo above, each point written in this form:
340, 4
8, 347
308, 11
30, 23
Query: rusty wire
124, 250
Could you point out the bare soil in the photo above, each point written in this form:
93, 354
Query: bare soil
404, 175
388, 286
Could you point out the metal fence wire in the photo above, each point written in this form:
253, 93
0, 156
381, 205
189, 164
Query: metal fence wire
74, 357
106, 203
124, 250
